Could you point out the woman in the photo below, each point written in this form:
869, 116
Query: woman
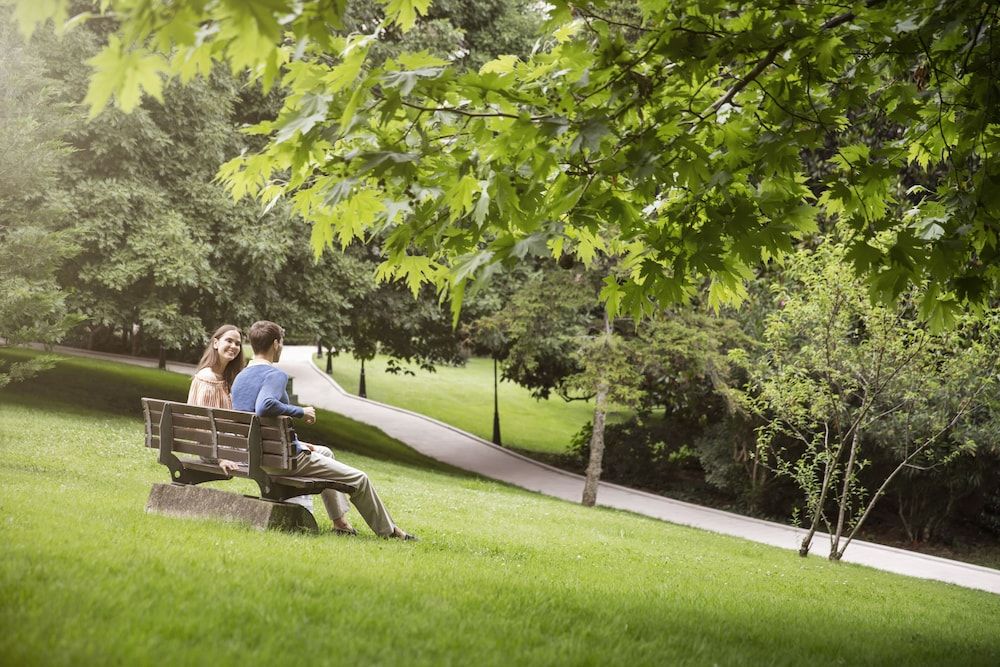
213, 381
219, 365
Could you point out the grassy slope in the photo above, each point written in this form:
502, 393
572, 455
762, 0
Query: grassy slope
117, 387
463, 397
501, 576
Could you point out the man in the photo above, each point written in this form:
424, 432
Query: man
260, 388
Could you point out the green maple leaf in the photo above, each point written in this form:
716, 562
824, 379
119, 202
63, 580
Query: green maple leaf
611, 295
459, 197
311, 110
404, 12
124, 75
346, 73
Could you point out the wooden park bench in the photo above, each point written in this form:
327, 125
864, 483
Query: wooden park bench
202, 436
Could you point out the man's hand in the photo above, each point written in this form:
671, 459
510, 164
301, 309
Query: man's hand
228, 466
310, 414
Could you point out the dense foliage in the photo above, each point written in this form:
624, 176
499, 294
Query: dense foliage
823, 405
681, 140
839, 383
162, 253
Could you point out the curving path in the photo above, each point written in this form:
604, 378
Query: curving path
463, 450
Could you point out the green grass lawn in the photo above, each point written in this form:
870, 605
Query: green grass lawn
501, 576
463, 397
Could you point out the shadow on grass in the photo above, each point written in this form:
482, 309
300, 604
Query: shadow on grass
88, 386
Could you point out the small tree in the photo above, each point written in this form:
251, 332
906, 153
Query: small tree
609, 371
559, 341
839, 377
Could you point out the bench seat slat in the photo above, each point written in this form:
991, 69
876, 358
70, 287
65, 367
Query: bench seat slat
205, 451
200, 449
268, 460
273, 462
242, 471
225, 440
312, 482
298, 482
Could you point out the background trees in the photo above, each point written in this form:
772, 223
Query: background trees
164, 254
33, 215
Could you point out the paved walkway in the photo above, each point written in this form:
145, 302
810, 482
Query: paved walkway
462, 450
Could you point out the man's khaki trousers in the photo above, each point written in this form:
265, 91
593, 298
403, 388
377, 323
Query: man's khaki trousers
321, 464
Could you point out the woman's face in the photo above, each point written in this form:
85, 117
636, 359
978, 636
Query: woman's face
229, 345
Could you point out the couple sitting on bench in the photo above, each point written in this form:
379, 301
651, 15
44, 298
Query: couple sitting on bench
222, 382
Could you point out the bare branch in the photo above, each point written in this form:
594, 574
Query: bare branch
594, 15
963, 409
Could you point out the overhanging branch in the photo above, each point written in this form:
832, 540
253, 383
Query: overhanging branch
769, 58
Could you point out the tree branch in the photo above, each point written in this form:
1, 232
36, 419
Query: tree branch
770, 57
471, 114
905, 463
591, 14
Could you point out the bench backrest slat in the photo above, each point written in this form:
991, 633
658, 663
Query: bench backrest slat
223, 425
217, 433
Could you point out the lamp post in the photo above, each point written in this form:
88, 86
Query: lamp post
496, 406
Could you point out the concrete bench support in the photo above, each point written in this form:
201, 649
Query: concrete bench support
182, 500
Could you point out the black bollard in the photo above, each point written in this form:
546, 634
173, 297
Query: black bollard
496, 407
361, 385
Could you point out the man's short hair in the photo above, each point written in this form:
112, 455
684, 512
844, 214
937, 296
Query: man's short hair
263, 334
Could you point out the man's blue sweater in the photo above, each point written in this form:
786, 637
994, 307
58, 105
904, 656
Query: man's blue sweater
261, 389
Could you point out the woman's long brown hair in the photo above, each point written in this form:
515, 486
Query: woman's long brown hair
211, 356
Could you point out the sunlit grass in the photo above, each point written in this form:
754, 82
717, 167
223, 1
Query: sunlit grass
500, 577
463, 397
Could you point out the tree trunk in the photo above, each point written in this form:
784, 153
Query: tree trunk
597, 434
817, 513
835, 552
136, 341
596, 447
827, 474
162, 365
